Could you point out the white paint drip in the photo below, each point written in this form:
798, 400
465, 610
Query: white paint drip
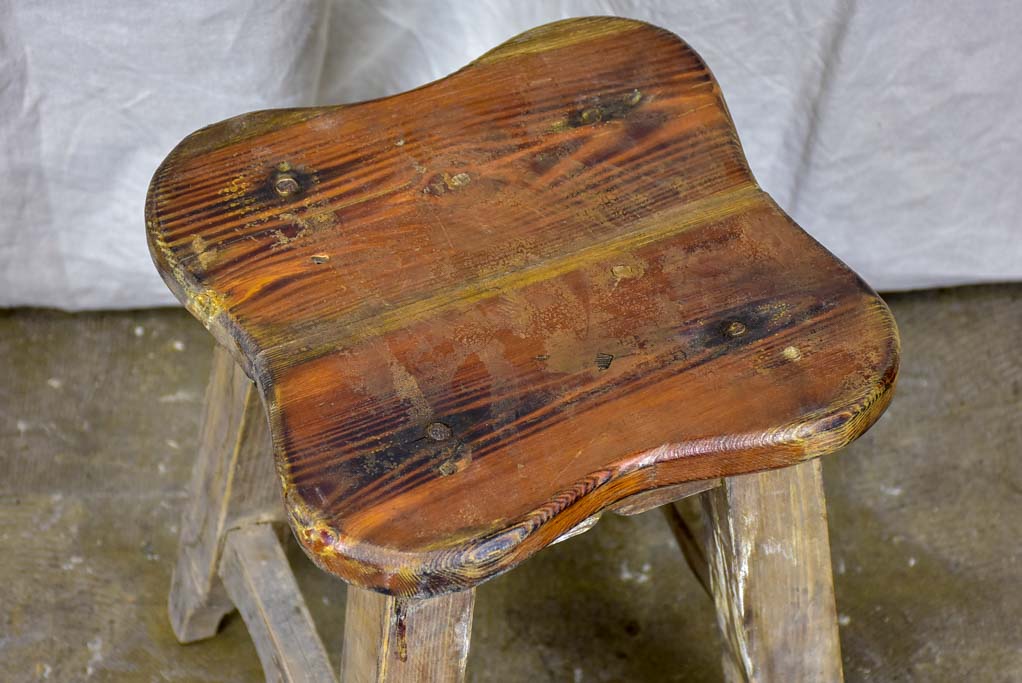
72, 562
96, 648
56, 512
179, 396
640, 576
774, 548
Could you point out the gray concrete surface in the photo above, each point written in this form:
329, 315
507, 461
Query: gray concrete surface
98, 420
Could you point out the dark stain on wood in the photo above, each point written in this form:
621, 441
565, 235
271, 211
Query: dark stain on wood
557, 253
603, 110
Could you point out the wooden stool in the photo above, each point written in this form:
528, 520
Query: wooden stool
480, 313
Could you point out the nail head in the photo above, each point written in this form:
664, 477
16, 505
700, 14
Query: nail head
286, 185
438, 431
735, 329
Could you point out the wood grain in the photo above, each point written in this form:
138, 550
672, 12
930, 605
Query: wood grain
482, 311
232, 485
389, 639
769, 561
642, 502
259, 581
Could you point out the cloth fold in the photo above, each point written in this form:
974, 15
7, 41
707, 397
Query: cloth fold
888, 131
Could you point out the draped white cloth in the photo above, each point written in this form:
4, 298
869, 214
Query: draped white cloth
889, 130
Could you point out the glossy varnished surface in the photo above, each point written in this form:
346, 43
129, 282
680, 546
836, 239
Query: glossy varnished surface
482, 311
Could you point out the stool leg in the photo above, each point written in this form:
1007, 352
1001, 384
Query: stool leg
395, 640
260, 582
689, 541
233, 483
769, 559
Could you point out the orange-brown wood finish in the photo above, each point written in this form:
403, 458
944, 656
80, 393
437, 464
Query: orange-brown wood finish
482, 311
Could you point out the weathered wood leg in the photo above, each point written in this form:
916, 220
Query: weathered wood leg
261, 584
685, 520
769, 560
233, 483
395, 640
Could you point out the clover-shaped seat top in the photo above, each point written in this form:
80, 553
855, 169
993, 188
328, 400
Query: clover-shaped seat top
481, 311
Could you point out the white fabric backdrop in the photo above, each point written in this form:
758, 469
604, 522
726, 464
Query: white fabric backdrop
889, 130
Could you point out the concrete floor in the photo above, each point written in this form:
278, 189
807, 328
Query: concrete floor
98, 420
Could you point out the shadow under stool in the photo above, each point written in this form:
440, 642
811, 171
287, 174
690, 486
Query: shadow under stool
470, 318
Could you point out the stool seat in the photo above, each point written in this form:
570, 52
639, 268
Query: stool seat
480, 312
